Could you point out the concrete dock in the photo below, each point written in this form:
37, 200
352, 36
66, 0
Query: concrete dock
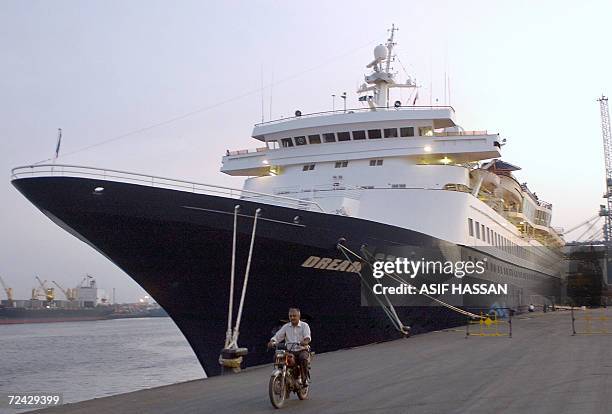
541, 369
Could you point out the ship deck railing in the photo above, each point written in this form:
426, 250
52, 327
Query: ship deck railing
64, 170
248, 151
356, 110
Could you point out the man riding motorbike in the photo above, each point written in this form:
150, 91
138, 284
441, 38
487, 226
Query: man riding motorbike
296, 331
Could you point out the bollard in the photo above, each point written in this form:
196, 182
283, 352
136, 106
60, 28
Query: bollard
231, 359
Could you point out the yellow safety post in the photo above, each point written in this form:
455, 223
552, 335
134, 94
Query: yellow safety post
489, 325
595, 322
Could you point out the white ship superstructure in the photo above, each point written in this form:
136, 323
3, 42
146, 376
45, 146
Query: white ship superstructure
409, 166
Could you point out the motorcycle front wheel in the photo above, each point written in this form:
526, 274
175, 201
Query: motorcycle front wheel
276, 390
303, 393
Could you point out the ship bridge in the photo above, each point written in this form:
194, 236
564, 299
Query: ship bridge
420, 135
352, 119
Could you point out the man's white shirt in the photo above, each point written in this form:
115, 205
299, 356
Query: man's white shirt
293, 334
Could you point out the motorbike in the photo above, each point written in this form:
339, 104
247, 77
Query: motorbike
285, 377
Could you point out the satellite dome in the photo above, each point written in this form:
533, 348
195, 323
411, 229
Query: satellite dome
380, 52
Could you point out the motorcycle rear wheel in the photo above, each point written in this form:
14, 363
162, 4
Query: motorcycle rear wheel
277, 390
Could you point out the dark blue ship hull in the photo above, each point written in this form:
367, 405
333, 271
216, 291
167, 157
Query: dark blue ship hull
177, 245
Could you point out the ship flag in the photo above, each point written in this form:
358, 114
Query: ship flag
59, 142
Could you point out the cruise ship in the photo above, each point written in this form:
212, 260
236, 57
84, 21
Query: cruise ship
324, 195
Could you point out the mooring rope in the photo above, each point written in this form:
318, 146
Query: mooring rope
234, 340
228, 334
400, 280
388, 309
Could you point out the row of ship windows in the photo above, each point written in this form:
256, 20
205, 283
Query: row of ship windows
426, 131
487, 235
506, 271
342, 164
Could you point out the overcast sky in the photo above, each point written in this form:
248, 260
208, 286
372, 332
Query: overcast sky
529, 70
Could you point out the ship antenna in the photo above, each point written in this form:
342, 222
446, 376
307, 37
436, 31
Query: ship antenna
271, 86
381, 79
390, 45
262, 94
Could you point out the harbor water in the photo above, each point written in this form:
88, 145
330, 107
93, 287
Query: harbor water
85, 360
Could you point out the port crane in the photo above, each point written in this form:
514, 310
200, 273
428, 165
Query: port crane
8, 290
607, 141
48, 293
605, 210
69, 293
590, 236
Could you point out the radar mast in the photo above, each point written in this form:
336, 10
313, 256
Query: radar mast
381, 79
